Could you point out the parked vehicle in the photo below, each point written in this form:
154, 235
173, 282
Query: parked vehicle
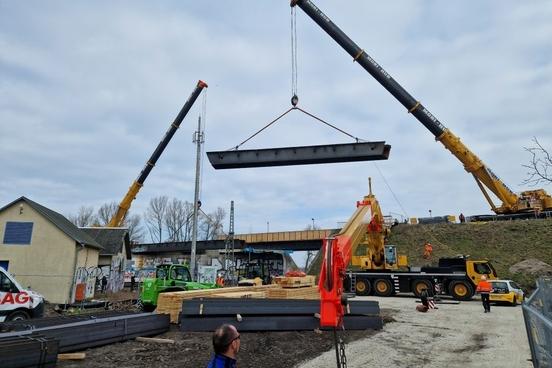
16, 302
506, 291
168, 277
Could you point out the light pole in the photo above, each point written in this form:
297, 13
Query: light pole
312, 223
430, 213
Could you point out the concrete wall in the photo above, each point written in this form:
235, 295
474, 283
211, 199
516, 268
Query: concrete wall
47, 265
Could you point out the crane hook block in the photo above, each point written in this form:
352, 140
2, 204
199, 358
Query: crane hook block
294, 100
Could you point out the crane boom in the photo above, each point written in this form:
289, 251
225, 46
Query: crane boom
337, 255
118, 218
485, 178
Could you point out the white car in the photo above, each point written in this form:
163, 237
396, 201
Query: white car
506, 291
17, 303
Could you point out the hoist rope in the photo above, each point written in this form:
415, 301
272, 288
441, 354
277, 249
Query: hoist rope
330, 125
293, 52
304, 112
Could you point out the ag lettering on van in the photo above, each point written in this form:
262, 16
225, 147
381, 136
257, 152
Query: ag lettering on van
14, 298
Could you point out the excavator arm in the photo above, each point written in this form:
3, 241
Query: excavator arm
118, 218
485, 178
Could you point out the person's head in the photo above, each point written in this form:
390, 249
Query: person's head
226, 340
483, 277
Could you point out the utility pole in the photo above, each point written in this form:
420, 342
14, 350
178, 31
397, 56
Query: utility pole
229, 246
198, 139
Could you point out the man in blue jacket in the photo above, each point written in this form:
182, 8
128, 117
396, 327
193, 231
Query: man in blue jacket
226, 343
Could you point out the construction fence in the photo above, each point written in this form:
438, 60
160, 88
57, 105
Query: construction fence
537, 312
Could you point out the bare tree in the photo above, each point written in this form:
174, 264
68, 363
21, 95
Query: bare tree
175, 219
135, 230
84, 217
155, 217
540, 165
106, 212
211, 224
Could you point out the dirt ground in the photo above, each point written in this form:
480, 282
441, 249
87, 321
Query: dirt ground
455, 335
264, 349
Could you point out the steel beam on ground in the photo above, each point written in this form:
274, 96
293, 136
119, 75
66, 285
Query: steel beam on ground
301, 155
79, 335
275, 323
228, 306
28, 351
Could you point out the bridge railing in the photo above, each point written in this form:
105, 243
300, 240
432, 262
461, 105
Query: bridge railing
537, 313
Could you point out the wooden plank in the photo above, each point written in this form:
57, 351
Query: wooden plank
293, 282
71, 356
171, 302
309, 292
155, 340
241, 294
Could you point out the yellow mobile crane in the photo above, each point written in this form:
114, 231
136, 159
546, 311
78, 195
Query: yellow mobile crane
527, 202
376, 268
118, 218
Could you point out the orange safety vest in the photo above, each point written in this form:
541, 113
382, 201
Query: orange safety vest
484, 287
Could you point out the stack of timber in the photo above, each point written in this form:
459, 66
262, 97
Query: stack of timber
308, 292
271, 315
294, 281
171, 302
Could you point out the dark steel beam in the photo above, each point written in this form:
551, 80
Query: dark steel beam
184, 247
228, 306
32, 351
79, 335
275, 323
302, 155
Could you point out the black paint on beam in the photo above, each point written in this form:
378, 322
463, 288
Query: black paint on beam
272, 307
302, 155
275, 323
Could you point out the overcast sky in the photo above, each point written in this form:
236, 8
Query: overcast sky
88, 89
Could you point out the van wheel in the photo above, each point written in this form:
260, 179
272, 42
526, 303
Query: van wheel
18, 316
383, 287
460, 290
419, 285
363, 287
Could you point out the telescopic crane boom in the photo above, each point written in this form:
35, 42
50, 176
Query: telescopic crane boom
124, 206
527, 201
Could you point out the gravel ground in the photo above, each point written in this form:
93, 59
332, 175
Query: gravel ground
455, 335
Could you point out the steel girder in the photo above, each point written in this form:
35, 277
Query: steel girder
301, 155
79, 335
28, 351
271, 314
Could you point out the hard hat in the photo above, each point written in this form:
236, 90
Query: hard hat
483, 277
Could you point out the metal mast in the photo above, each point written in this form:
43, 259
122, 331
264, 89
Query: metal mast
229, 244
198, 139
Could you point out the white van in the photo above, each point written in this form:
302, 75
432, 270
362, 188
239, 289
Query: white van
17, 303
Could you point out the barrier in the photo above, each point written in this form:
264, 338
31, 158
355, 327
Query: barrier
537, 313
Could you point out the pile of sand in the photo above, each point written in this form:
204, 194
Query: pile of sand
532, 266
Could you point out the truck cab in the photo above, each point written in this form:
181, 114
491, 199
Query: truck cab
17, 303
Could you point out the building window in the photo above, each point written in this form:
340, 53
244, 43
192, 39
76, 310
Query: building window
18, 232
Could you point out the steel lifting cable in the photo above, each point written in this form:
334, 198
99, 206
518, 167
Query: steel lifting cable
294, 89
293, 33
